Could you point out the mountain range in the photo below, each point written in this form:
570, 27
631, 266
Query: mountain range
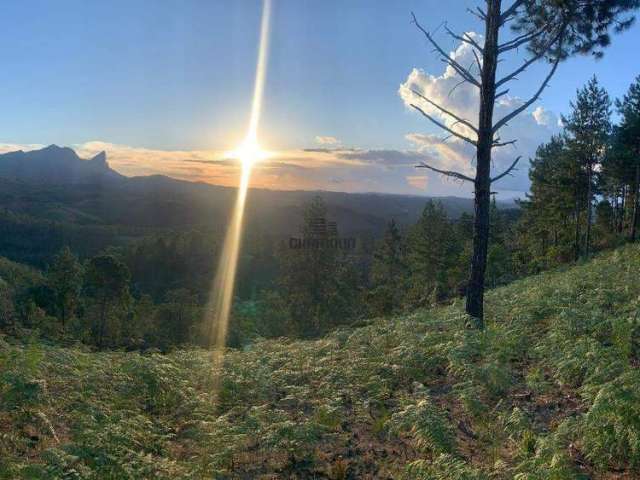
55, 165
54, 188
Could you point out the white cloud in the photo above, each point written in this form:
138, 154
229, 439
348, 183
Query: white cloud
530, 128
545, 117
327, 140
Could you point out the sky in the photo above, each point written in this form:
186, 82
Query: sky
166, 87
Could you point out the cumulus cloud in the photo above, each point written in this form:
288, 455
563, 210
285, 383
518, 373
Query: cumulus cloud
327, 140
530, 128
544, 117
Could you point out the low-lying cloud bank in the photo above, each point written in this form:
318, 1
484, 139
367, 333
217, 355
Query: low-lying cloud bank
341, 169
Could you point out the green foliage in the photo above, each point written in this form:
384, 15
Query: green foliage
432, 251
612, 424
443, 467
20, 384
548, 391
318, 284
426, 426
107, 281
591, 157
65, 281
589, 24
388, 273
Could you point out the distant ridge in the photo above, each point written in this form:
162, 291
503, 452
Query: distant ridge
54, 165
55, 184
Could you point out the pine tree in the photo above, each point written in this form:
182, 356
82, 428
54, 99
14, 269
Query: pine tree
549, 30
65, 281
388, 272
317, 281
629, 144
432, 251
499, 267
107, 281
551, 213
588, 127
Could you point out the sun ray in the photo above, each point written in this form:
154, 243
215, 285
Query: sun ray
249, 152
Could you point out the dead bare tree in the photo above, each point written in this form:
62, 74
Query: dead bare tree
548, 30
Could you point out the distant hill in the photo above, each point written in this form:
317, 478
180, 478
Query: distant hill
55, 165
52, 195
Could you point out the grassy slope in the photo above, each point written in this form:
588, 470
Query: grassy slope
550, 390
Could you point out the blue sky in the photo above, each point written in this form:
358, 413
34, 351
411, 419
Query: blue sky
178, 76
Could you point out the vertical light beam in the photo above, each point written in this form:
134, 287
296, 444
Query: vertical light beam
261, 71
221, 296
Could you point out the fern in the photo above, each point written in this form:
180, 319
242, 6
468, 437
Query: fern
426, 425
443, 467
612, 425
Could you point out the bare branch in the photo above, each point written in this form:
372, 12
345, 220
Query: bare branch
464, 122
477, 62
507, 171
445, 57
478, 13
513, 75
500, 94
448, 173
533, 59
520, 40
526, 105
455, 86
509, 12
464, 38
461, 71
444, 127
503, 144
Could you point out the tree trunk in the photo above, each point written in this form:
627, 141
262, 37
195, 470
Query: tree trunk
475, 288
616, 217
622, 207
103, 321
636, 201
587, 241
576, 242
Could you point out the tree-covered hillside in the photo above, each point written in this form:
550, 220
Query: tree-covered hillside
549, 390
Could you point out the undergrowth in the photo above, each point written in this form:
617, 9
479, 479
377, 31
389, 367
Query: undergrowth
550, 390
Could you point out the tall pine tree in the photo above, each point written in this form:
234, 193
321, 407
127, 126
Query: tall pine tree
588, 127
388, 272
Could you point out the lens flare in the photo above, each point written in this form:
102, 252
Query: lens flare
248, 153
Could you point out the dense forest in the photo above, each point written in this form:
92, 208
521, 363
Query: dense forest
151, 291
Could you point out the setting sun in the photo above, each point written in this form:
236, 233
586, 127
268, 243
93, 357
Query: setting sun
249, 152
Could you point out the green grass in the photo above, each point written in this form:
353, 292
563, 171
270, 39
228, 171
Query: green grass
550, 390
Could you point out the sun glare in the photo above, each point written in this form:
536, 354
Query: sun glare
249, 153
